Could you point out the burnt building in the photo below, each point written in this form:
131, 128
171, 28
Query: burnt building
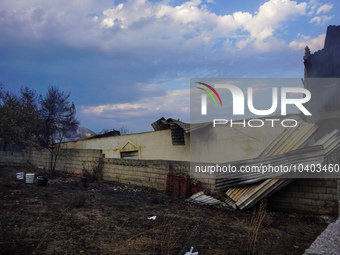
322, 79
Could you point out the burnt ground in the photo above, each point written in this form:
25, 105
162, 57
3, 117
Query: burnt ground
111, 218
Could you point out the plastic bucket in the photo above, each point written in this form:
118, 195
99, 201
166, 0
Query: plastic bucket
42, 180
20, 176
29, 178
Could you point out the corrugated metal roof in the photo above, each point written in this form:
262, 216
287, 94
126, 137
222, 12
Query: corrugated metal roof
201, 198
290, 139
163, 124
287, 141
177, 127
262, 190
160, 124
308, 155
330, 142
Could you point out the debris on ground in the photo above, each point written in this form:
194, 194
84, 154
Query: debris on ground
201, 198
190, 252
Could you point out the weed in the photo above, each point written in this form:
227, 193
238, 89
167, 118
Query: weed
164, 238
255, 227
93, 171
51, 230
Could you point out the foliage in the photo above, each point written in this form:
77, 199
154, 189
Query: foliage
44, 119
18, 116
30, 112
124, 130
57, 116
92, 171
10, 119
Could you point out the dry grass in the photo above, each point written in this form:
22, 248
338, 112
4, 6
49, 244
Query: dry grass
156, 195
255, 227
114, 220
78, 200
164, 238
93, 171
12, 239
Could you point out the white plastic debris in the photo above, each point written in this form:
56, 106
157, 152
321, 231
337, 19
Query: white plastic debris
152, 218
190, 252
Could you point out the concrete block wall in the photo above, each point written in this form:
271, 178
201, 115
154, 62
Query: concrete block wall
310, 195
149, 173
70, 160
75, 160
8, 158
40, 158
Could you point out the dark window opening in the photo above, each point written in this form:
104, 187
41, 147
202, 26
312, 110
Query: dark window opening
129, 154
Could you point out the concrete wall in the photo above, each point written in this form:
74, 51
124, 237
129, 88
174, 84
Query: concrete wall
312, 195
69, 160
223, 143
8, 158
217, 145
150, 145
149, 173
317, 196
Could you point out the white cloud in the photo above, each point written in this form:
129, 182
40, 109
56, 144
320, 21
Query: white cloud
193, 20
173, 103
158, 40
314, 43
270, 16
242, 18
321, 20
324, 8
143, 25
312, 6
317, 8
189, 24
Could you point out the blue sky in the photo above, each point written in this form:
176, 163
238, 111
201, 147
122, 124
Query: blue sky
130, 62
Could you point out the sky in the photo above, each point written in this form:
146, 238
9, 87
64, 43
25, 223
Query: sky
129, 63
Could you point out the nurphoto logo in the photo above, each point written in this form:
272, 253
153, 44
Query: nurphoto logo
239, 98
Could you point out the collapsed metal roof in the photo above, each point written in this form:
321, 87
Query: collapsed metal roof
163, 124
289, 143
290, 139
177, 128
308, 155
